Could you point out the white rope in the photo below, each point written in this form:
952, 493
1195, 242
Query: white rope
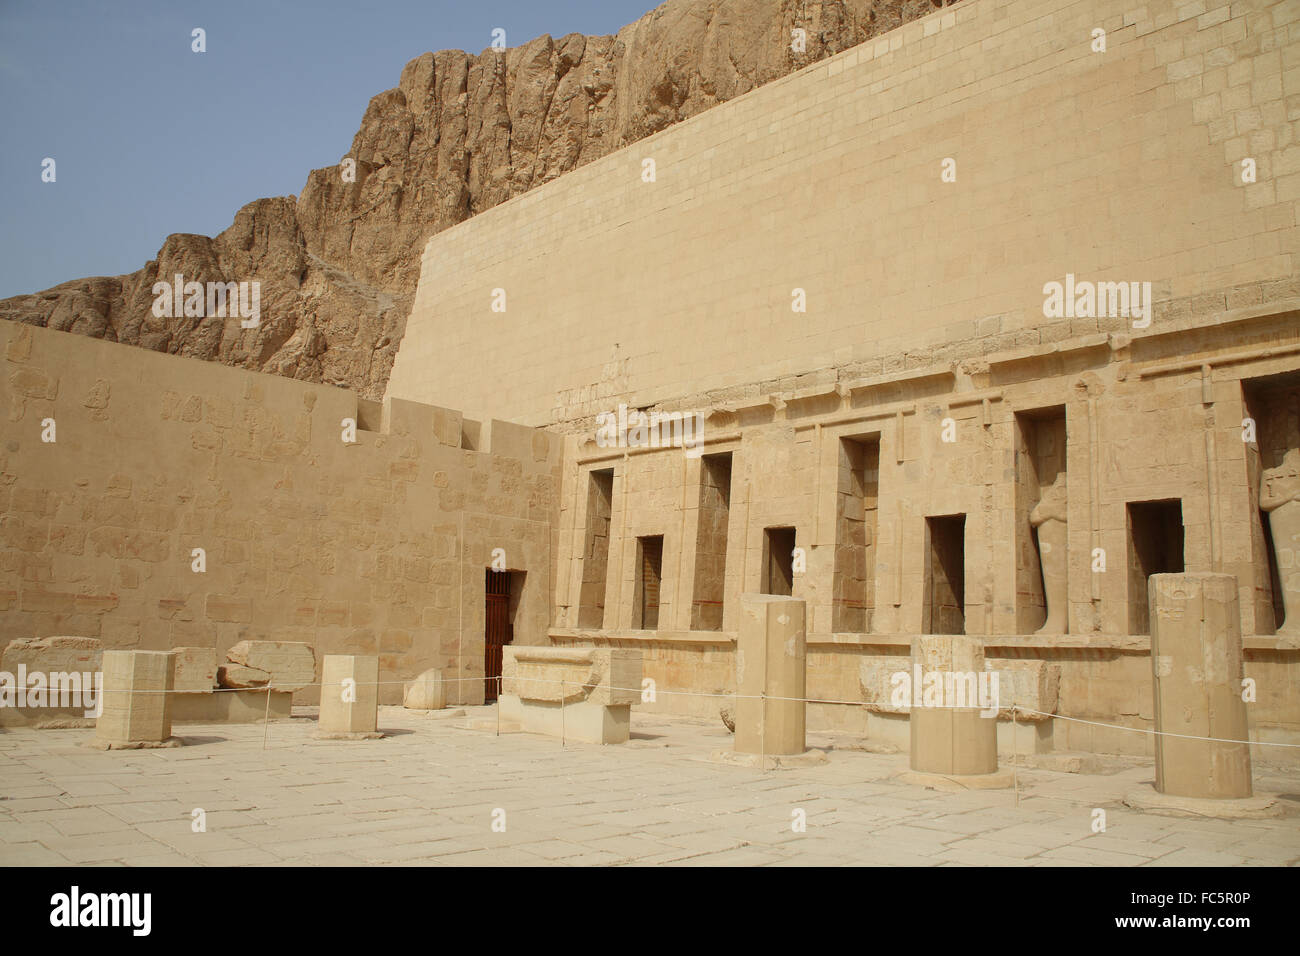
688, 693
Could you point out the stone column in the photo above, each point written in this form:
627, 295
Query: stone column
349, 697
1196, 659
947, 739
770, 660
136, 701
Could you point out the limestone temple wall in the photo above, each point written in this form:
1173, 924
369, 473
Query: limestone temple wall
349, 547
946, 450
924, 502
923, 450
1117, 166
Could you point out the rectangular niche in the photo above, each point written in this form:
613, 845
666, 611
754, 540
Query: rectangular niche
711, 543
1040, 474
1273, 459
778, 561
944, 608
856, 502
595, 552
1155, 546
649, 581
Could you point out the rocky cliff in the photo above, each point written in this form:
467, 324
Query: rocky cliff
338, 266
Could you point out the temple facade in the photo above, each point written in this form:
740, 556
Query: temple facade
968, 330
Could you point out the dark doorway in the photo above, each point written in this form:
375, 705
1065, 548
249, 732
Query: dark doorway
855, 534
595, 555
502, 591
650, 564
944, 611
711, 543
1155, 546
778, 561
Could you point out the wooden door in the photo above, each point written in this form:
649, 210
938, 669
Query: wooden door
498, 631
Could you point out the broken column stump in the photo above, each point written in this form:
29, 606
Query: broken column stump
954, 734
583, 694
137, 701
349, 698
771, 684
1197, 672
426, 692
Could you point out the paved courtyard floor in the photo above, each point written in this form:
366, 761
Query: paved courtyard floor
429, 793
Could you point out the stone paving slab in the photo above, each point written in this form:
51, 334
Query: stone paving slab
427, 795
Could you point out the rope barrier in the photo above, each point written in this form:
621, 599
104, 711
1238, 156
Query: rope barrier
1015, 708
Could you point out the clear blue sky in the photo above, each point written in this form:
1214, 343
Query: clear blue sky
151, 138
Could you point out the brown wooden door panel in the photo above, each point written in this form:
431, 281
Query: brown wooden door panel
497, 630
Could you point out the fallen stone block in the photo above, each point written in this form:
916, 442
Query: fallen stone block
68, 667
237, 676
728, 714
1032, 686
292, 665
196, 670
232, 707
876, 680
51, 654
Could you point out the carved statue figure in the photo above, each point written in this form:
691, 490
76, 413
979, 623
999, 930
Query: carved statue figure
1279, 495
1049, 517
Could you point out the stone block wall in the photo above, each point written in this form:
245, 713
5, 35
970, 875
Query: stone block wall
1122, 165
1113, 423
374, 548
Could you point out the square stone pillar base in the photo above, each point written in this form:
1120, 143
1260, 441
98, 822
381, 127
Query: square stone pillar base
349, 698
137, 701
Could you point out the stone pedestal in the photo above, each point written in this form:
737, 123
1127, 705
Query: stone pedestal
583, 694
770, 661
357, 716
232, 707
1196, 659
137, 701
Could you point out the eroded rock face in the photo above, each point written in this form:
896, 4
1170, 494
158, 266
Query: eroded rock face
338, 266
